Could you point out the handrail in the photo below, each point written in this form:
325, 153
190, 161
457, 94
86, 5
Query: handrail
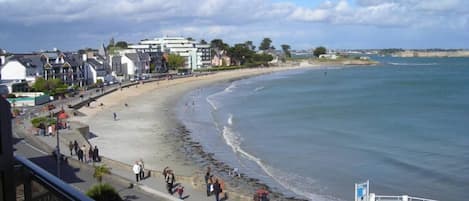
399, 197
53, 182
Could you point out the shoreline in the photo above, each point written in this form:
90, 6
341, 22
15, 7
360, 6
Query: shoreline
173, 132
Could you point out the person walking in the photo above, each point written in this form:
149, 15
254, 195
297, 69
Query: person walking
207, 181
170, 181
96, 157
136, 170
142, 170
75, 146
80, 155
180, 191
217, 190
70, 147
115, 116
83, 150
90, 154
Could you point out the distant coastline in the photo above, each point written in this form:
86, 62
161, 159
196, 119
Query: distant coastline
431, 53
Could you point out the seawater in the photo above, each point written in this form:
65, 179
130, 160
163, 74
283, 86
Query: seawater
403, 124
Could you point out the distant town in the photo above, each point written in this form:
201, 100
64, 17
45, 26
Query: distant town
56, 72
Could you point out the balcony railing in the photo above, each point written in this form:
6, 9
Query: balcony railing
38, 184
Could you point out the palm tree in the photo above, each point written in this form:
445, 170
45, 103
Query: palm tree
100, 171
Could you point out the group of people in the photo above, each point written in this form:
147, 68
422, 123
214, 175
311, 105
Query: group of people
215, 186
139, 170
84, 154
169, 178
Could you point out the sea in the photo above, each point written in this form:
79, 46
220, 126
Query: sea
313, 133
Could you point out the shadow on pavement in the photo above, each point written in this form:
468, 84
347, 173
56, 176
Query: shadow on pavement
67, 172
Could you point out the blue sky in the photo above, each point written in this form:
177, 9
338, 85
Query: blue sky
31, 25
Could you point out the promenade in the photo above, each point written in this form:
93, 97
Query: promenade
80, 175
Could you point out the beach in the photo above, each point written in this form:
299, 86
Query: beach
147, 127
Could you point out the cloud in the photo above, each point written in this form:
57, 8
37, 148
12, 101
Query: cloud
235, 21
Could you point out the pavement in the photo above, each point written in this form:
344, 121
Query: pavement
80, 175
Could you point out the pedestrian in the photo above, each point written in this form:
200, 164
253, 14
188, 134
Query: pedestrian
126, 105
136, 170
80, 155
170, 181
49, 130
180, 191
70, 147
83, 150
142, 170
207, 179
165, 172
75, 146
115, 116
96, 157
217, 190
90, 154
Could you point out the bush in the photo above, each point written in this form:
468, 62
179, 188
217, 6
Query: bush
103, 192
44, 120
36, 121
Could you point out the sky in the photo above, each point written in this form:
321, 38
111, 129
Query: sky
32, 25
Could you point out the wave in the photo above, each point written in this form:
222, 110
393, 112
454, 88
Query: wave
299, 185
258, 89
412, 64
210, 98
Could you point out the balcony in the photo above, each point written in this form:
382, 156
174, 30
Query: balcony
34, 183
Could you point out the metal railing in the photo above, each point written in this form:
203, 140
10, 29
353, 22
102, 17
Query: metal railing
399, 198
41, 185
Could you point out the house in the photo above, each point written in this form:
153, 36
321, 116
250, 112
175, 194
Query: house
136, 63
21, 67
220, 58
95, 69
328, 56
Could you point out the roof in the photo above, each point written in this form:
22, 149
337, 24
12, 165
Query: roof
95, 64
138, 57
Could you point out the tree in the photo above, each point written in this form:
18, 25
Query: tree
286, 50
121, 44
190, 39
103, 192
319, 50
99, 172
203, 42
250, 45
175, 61
218, 44
240, 54
265, 44
40, 84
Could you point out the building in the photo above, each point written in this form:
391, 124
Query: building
221, 59
197, 55
21, 67
67, 67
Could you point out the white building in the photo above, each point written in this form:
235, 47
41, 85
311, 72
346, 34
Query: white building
197, 55
21, 68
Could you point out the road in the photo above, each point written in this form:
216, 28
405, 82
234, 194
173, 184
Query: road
79, 177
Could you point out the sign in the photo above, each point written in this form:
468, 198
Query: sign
362, 191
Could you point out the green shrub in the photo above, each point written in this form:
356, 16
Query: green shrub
44, 120
103, 192
38, 120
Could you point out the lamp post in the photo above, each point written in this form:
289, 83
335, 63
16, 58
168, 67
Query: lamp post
58, 147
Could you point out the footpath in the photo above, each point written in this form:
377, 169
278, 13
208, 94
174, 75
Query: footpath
153, 187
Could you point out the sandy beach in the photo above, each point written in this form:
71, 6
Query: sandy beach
147, 128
